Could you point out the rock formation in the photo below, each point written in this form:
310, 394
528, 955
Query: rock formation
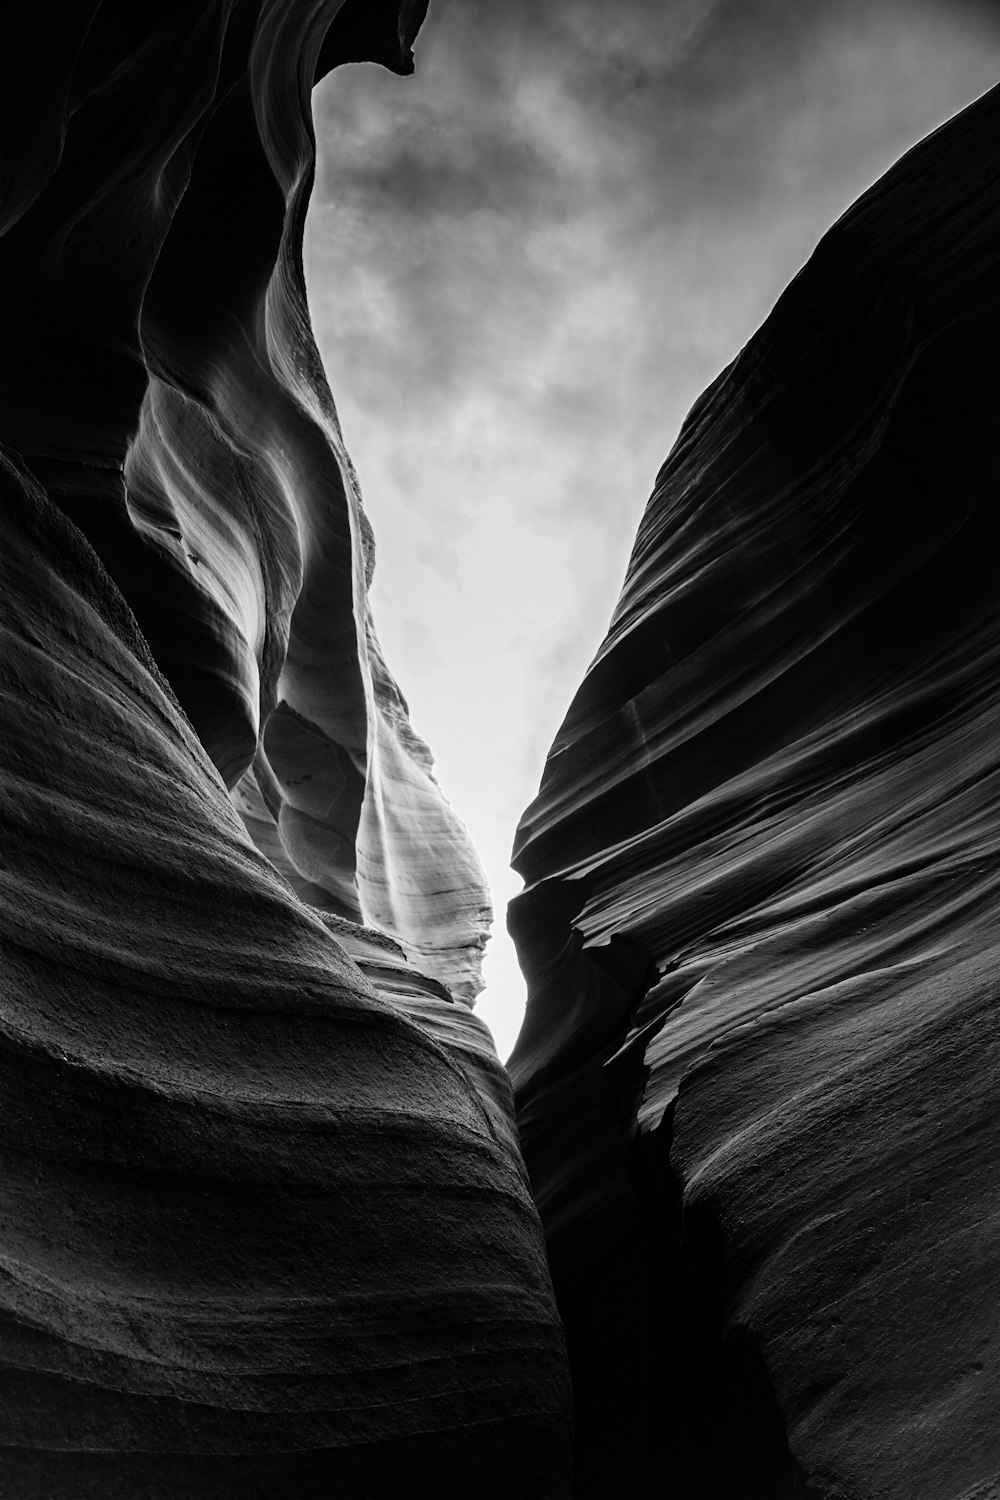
265, 1225
758, 1076
266, 1231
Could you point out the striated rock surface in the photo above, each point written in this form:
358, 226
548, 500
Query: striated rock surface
265, 1229
758, 1075
160, 379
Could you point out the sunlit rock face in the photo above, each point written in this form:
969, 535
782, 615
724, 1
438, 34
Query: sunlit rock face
265, 1228
757, 1082
160, 379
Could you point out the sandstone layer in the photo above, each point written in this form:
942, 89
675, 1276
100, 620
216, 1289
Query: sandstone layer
758, 1075
265, 1228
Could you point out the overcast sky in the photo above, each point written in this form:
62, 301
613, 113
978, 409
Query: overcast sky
524, 263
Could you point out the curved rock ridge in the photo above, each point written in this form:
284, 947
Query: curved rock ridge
756, 1081
265, 1226
163, 384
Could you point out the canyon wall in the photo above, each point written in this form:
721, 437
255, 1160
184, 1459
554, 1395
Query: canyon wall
266, 1230
758, 1074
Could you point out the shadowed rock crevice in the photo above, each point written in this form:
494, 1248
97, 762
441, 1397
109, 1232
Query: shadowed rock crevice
733, 1433
576, 1124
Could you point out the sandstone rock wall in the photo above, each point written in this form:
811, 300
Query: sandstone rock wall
757, 1079
265, 1228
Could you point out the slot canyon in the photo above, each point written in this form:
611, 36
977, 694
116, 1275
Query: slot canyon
277, 1220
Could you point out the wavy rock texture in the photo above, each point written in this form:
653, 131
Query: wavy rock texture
265, 1229
758, 1075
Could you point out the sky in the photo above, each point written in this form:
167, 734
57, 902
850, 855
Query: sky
524, 264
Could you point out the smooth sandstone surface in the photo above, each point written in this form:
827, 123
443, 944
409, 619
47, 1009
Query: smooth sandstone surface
758, 1075
264, 1228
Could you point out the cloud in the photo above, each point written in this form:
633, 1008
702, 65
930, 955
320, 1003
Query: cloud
441, 559
526, 262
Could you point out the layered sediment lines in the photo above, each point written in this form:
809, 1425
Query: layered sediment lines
265, 1229
756, 1082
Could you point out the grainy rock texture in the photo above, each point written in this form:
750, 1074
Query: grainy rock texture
757, 1082
264, 1228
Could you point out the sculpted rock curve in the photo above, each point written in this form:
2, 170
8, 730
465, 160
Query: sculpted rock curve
265, 1229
